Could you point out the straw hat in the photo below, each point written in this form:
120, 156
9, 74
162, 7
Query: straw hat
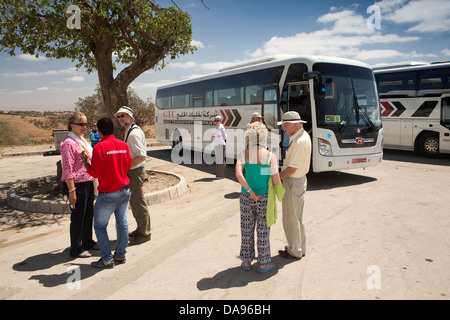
291, 117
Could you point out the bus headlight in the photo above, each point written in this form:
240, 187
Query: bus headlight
325, 148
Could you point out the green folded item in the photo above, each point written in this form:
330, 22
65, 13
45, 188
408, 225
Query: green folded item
274, 192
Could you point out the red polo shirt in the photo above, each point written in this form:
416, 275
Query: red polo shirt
110, 163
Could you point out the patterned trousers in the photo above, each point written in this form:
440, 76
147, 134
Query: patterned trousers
254, 213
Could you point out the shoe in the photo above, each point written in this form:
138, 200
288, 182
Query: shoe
287, 255
119, 260
266, 269
246, 268
140, 239
102, 264
134, 234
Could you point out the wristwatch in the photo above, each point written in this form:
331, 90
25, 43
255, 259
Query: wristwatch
248, 190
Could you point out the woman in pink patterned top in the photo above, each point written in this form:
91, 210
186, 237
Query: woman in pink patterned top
78, 184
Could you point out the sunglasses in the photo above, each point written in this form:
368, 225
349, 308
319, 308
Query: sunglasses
81, 124
120, 115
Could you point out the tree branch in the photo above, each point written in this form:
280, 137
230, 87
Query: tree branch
205, 5
176, 5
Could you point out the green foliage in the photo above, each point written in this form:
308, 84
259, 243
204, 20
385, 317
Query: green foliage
94, 109
135, 31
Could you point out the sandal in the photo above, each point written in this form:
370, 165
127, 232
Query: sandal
246, 268
266, 269
84, 254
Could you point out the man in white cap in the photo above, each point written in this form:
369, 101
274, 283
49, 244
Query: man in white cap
256, 117
293, 175
219, 141
135, 138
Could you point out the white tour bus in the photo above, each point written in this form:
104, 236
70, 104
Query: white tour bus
415, 107
343, 111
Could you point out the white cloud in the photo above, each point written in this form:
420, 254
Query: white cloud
446, 52
30, 57
150, 85
70, 70
325, 42
388, 6
425, 15
182, 65
212, 66
215, 66
346, 22
384, 54
75, 79
346, 35
197, 43
8, 92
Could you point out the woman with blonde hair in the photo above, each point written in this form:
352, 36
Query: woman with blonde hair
259, 165
78, 184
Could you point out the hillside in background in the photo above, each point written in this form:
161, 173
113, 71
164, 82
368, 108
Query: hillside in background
20, 128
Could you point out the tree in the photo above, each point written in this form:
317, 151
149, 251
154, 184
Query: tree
138, 33
94, 109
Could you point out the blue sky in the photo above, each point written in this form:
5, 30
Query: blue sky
233, 31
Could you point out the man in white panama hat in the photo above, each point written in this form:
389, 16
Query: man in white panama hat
135, 138
256, 117
293, 175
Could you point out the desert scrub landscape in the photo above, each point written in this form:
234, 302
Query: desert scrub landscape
34, 128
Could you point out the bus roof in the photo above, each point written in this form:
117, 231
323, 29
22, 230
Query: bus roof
267, 62
411, 66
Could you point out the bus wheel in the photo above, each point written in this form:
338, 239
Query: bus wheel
429, 144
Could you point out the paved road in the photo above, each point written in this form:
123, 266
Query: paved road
379, 233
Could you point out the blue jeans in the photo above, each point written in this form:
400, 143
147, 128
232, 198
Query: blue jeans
106, 204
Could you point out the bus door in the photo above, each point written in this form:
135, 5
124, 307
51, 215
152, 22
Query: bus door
444, 136
271, 107
271, 114
299, 100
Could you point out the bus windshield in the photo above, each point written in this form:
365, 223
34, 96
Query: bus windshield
350, 101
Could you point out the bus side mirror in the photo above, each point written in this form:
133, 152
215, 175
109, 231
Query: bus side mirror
319, 90
319, 87
316, 75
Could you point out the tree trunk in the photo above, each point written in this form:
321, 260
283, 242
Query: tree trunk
114, 94
114, 91
114, 97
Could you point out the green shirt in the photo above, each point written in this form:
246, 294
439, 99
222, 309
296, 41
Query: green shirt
257, 176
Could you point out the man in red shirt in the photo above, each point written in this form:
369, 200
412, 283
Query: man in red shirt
110, 163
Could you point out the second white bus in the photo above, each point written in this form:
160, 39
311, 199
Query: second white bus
415, 105
337, 97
